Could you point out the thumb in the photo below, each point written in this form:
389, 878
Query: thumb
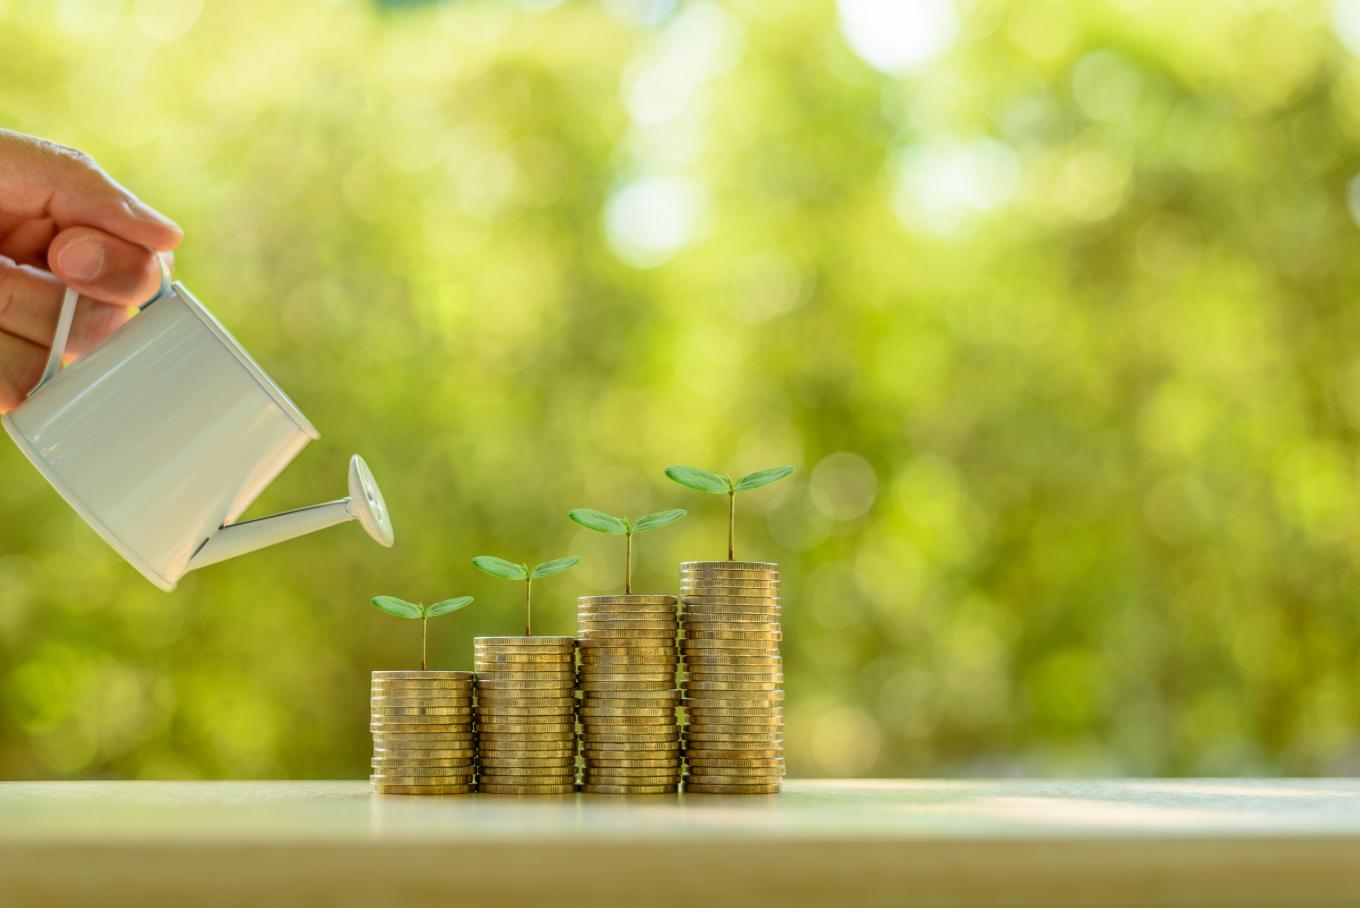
40, 179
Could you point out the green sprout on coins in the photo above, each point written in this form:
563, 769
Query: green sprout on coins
601, 522
509, 570
403, 609
716, 484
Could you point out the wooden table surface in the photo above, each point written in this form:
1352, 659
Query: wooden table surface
826, 843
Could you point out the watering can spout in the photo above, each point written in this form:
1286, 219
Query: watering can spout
364, 504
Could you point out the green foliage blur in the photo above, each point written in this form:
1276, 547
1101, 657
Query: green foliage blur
1052, 303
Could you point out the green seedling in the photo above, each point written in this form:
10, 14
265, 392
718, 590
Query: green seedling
403, 609
717, 484
509, 570
601, 522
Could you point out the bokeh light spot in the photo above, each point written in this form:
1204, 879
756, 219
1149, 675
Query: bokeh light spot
895, 35
941, 187
650, 219
843, 486
167, 20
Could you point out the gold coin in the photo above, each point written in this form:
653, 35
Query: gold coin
761, 636
737, 742
566, 747
529, 775
640, 634
424, 738
660, 613
636, 750
734, 578
595, 658
704, 646
495, 688
665, 777
615, 724
430, 758
614, 763
424, 790
634, 599
526, 641
387, 711
727, 601
775, 678
615, 699
447, 750
423, 676
514, 670
697, 788
526, 789
738, 620
411, 702
407, 689
520, 662
635, 739
735, 717
406, 779
731, 752
533, 698
696, 709
729, 565
713, 665
693, 685
564, 677
667, 675
526, 724
658, 626
731, 699
638, 687
733, 762
643, 635
411, 724
593, 648
632, 693
736, 776
590, 669
628, 711
629, 789
487, 736
498, 762
460, 770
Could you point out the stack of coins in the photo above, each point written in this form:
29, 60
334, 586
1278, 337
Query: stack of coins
423, 741
630, 740
526, 714
733, 699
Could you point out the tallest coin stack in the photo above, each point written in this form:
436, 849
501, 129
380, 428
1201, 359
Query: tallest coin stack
733, 697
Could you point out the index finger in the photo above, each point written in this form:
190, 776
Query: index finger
40, 179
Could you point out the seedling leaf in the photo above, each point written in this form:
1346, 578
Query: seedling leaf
556, 566
399, 607
762, 478
700, 480
448, 605
499, 567
599, 521
658, 520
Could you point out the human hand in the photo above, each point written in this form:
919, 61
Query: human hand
65, 222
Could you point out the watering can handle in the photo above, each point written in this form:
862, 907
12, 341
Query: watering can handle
68, 315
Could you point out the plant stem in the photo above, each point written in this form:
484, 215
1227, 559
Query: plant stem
528, 586
628, 572
424, 625
731, 525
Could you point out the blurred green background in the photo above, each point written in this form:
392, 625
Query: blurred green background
1050, 302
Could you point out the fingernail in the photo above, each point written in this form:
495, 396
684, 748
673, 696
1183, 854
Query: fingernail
147, 213
81, 261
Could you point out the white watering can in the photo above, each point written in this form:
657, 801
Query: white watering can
165, 432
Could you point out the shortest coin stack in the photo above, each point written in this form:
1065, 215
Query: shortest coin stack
734, 698
423, 741
526, 714
630, 741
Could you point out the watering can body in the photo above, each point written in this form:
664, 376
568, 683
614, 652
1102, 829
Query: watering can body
165, 432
